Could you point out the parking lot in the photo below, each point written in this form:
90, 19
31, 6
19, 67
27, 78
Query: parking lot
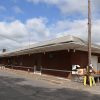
17, 87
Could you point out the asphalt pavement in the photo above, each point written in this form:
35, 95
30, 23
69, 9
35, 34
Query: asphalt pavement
14, 87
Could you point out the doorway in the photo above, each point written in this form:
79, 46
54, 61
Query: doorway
37, 67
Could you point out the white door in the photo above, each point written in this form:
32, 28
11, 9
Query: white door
98, 66
94, 61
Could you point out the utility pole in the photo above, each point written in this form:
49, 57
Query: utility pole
88, 77
89, 32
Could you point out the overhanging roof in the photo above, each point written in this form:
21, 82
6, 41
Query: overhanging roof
62, 43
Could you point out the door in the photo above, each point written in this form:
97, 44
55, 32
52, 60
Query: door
94, 61
38, 63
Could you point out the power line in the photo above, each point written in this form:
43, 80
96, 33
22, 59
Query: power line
9, 38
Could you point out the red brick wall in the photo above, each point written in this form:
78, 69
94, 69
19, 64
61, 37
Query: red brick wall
79, 58
56, 60
3, 60
61, 60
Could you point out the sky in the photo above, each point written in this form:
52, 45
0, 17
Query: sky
24, 22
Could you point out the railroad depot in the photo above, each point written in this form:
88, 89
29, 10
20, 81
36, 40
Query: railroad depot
53, 57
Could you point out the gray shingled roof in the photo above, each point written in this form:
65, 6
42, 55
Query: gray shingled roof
62, 43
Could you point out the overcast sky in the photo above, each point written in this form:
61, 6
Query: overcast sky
30, 21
